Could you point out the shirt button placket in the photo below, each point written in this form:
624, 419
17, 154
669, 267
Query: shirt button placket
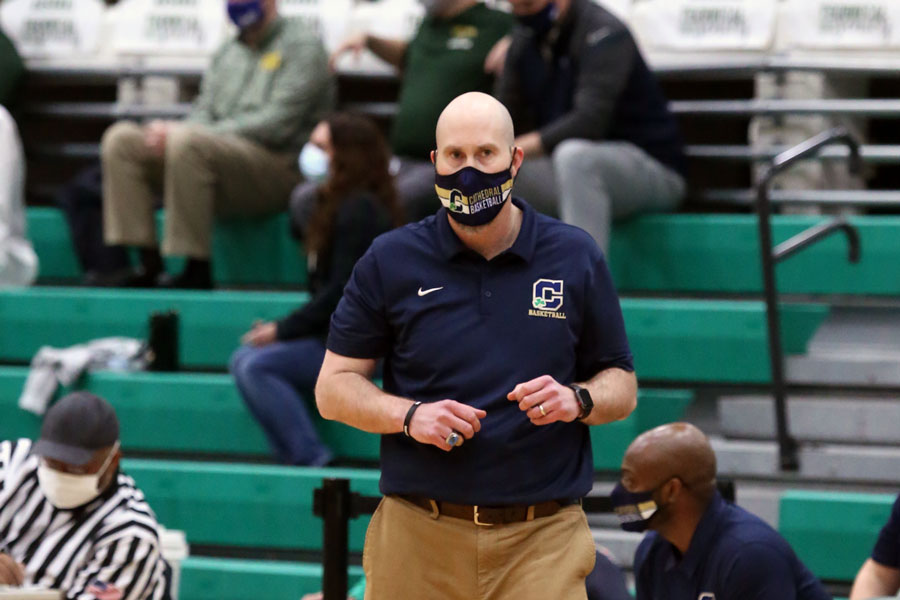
485, 296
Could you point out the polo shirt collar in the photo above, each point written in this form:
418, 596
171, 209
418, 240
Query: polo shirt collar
451, 246
703, 535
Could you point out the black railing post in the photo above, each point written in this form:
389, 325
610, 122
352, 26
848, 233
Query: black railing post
332, 502
787, 445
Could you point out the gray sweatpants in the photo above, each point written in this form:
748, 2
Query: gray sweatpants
589, 184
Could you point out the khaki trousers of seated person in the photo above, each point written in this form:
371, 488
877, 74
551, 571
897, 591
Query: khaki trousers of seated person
410, 555
202, 175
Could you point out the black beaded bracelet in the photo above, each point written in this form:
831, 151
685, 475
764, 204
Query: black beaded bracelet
409, 415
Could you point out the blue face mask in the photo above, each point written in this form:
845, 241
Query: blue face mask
314, 163
473, 197
634, 509
246, 14
542, 21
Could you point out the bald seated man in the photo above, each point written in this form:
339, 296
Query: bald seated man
503, 343
699, 546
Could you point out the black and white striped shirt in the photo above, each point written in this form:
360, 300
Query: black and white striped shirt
107, 549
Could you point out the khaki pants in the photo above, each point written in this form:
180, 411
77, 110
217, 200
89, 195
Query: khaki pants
201, 176
409, 555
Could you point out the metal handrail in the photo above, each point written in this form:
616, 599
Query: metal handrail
760, 107
873, 154
854, 198
787, 445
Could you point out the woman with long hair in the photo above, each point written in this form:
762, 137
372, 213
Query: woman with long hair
355, 201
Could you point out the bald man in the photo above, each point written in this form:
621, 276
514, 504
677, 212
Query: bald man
503, 341
700, 547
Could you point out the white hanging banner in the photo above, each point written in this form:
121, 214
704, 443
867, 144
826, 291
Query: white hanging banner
620, 8
392, 19
184, 27
703, 25
328, 18
843, 24
53, 28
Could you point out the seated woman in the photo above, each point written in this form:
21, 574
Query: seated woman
277, 367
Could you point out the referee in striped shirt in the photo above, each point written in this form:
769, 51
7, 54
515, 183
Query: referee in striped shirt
69, 520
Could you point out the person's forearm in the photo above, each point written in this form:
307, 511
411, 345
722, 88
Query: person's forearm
614, 392
390, 51
354, 400
531, 144
875, 581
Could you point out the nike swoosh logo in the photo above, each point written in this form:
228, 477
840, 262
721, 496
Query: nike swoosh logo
426, 292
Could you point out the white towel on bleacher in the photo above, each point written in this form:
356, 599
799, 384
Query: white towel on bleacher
18, 262
51, 367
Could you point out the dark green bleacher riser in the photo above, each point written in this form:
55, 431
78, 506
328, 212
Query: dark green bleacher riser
196, 413
227, 579
673, 340
833, 533
258, 251
247, 505
211, 322
177, 412
720, 254
653, 253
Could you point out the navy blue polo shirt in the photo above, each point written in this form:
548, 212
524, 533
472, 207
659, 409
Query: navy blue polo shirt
452, 325
887, 548
734, 555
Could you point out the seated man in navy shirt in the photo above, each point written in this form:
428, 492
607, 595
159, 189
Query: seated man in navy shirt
880, 574
700, 547
581, 94
487, 314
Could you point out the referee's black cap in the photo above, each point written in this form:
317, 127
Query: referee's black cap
76, 427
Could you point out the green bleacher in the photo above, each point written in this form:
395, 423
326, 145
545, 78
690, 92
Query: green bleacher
833, 532
715, 340
204, 578
234, 503
197, 413
716, 253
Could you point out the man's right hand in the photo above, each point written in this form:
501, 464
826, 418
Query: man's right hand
356, 43
433, 422
11, 572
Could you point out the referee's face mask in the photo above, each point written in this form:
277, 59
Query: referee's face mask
65, 490
473, 197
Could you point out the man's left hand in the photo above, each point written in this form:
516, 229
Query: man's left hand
558, 401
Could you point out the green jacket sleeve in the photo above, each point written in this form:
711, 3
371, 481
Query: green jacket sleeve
12, 69
296, 91
201, 111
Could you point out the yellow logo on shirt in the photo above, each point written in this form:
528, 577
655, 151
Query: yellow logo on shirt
464, 31
271, 61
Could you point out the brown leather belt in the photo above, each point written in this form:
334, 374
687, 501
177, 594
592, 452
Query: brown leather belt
489, 515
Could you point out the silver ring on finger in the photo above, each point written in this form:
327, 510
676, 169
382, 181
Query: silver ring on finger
541, 408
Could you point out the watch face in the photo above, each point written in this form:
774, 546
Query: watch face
584, 399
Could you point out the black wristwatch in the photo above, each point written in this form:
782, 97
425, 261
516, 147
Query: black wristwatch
584, 400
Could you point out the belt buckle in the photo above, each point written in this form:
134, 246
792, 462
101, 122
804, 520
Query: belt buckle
479, 523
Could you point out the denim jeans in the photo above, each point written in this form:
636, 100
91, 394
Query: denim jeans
276, 382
